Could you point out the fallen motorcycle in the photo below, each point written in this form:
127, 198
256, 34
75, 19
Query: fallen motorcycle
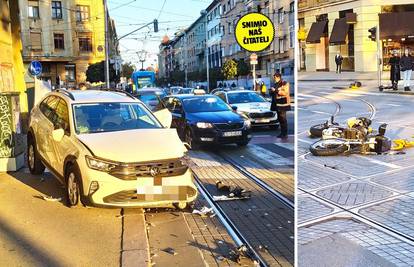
331, 129
353, 141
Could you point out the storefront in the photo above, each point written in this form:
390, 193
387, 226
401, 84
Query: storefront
396, 34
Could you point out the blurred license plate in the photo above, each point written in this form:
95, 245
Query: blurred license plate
235, 133
263, 120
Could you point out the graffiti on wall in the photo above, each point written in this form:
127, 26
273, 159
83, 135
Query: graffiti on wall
6, 127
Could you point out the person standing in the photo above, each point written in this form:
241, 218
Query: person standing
338, 61
406, 64
395, 74
280, 102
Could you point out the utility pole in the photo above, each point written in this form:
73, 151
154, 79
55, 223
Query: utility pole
106, 45
186, 58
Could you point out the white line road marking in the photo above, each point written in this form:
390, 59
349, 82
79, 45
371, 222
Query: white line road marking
305, 141
393, 105
391, 165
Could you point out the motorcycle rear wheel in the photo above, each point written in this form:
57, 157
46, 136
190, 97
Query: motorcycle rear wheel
328, 147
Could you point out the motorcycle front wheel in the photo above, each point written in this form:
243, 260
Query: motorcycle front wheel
328, 147
317, 130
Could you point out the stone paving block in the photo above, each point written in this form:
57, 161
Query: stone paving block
402, 181
354, 193
309, 208
353, 165
312, 176
396, 213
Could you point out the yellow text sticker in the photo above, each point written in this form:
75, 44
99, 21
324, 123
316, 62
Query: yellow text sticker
254, 32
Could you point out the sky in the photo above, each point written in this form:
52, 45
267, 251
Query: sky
129, 15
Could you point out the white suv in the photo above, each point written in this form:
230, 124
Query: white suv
108, 149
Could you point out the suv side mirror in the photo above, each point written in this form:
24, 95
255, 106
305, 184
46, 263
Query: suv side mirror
58, 134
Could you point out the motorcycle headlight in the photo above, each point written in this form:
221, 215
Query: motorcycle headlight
247, 123
204, 125
98, 164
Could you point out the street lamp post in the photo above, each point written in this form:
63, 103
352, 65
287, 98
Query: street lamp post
204, 12
106, 45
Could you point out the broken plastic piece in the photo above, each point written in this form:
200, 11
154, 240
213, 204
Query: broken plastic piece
205, 211
170, 251
51, 199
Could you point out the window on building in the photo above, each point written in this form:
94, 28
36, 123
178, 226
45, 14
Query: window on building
229, 28
70, 72
281, 15
281, 45
36, 40
291, 36
292, 7
82, 13
33, 10
59, 40
85, 44
56, 10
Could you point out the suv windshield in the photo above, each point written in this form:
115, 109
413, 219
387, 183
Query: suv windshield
245, 97
205, 104
109, 117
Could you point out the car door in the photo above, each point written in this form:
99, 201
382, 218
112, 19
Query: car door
63, 147
45, 127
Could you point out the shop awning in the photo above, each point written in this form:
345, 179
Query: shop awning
396, 25
317, 30
339, 32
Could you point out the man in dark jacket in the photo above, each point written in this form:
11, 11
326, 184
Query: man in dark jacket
338, 61
395, 74
406, 64
280, 102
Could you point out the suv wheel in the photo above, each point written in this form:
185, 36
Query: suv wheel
33, 160
73, 185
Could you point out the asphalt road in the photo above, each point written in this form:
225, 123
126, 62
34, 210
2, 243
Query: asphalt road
36, 232
358, 203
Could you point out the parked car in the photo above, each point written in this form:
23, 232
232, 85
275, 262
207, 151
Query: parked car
175, 90
108, 149
251, 104
184, 91
206, 119
226, 89
151, 97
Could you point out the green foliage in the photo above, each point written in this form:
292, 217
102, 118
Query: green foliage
96, 73
127, 69
229, 69
243, 68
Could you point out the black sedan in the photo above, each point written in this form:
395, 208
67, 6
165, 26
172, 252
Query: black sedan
206, 119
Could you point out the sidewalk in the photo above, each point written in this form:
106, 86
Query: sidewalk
333, 76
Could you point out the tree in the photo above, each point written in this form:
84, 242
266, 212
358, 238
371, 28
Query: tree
229, 69
242, 68
96, 73
127, 69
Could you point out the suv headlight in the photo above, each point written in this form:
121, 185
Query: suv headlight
204, 125
247, 123
98, 164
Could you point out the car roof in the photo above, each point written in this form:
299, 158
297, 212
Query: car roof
94, 96
184, 96
238, 91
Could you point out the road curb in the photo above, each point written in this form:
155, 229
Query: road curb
134, 247
398, 92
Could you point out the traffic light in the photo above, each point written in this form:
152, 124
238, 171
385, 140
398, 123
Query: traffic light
373, 34
155, 25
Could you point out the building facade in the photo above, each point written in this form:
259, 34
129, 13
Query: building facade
341, 26
214, 34
232, 12
65, 36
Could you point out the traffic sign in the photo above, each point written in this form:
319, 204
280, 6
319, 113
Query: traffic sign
253, 59
35, 68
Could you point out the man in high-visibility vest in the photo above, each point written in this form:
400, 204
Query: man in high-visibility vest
280, 95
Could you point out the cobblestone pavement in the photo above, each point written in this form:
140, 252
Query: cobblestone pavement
374, 194
264, 221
